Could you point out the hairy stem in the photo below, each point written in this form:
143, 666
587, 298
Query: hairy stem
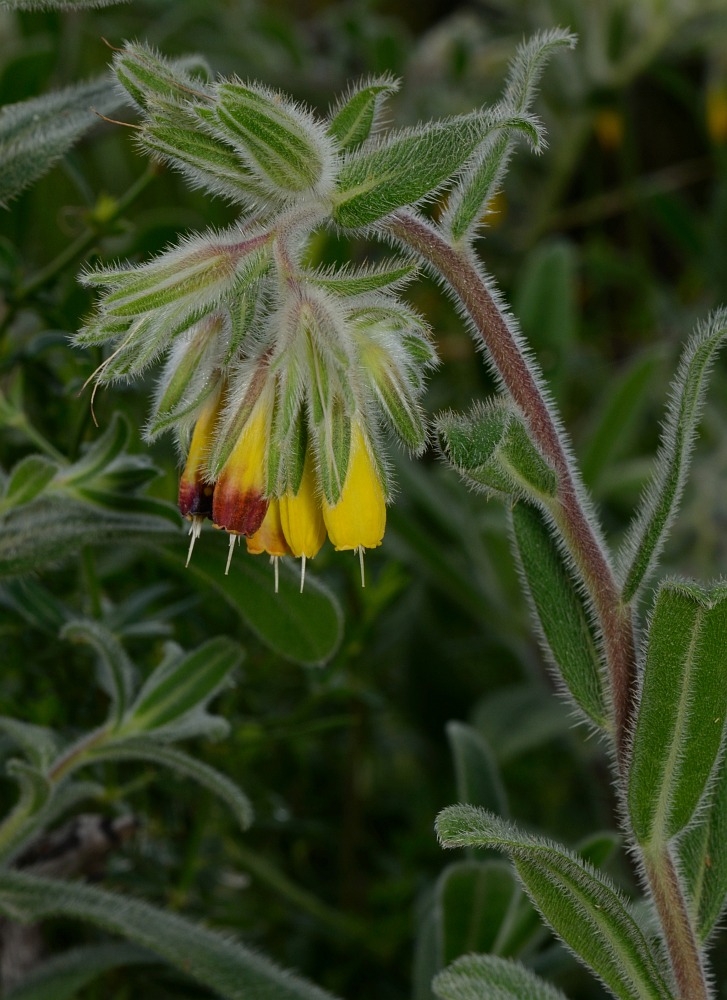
518, 375
678, 931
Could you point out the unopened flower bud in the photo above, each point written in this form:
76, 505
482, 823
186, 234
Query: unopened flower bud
358, 520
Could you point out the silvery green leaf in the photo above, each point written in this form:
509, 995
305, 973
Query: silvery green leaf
581, 904
482, 177
557, 600
117, 673
35, 791
660, 503
61, 976
27, 480
406, 166
146, 75
283, 145
39, 744
702, 851
180, 685
215, 960
58, 4
37, 132
681, 712
99, 454
35, 604
487, 977
51, 529
355, 117
186, 766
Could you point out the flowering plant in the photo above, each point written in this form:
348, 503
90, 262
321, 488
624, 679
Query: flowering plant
281, 380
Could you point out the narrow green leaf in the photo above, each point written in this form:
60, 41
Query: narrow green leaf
478, 902
355, 117
406, 166
358, 281
305, 628
117, 673
485, 977
581, 904
58, 4
183, 764
62, 976
681, 711
559, 607
27, 479
215, 960
478, 777
702, 850
39, 744
176, 688
37, 132
650, 527
470, 197
100, 453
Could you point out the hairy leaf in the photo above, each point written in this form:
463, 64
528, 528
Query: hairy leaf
478, 777
62, 976
355, 117
117, 673
486, 977
649, 530
215, 960
681, 711
581, 904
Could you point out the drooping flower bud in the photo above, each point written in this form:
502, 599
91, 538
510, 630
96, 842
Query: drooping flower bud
301, 515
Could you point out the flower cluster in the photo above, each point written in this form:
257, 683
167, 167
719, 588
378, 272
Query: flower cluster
279, 377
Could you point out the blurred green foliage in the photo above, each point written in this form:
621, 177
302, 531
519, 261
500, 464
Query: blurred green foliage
608, 246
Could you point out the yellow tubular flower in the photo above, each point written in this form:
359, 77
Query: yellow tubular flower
301, 516
358, 520
239, 503
195, 495
269, 536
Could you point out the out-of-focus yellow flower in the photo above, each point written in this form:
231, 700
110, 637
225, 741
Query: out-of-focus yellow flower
716, 113
608, 124
358, 520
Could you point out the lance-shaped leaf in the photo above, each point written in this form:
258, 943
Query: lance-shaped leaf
702, 851
37, 132
39, 744
491, 449
478, 778
146, 75
59, 4
195, 274
486, 977
356, 114
215, 960
183, 764
581, 904
117, 673
62, 976
27, 480
659, 505
681, 711
566, 627
180, 685
284, 146
406, 166
470, 196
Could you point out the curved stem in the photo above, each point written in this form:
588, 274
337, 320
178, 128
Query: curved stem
518, 374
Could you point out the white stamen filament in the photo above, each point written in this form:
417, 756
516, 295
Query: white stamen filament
195, 530
302, 573
233, 539
274, 560
361, 561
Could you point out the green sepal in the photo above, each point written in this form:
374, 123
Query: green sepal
410, 164
702, 851
581, 904
348, 280
332, 442
146, 75
491, 448
356, 115
487, 977
394, 393
682, 710
180, 685
557, 599
272, 135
